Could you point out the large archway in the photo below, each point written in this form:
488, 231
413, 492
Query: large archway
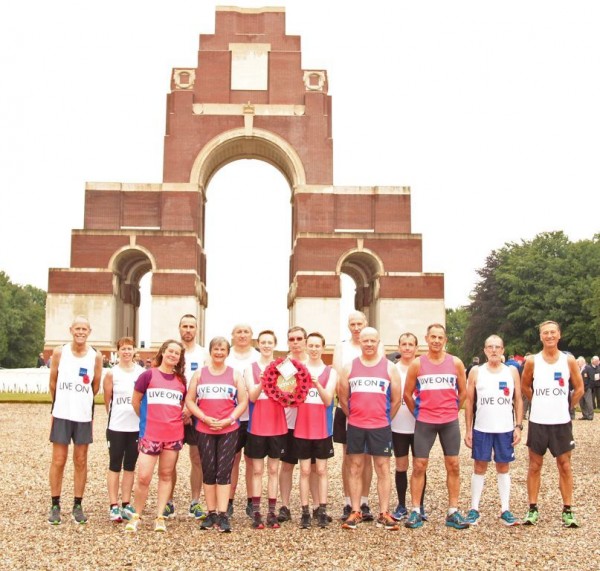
248, 98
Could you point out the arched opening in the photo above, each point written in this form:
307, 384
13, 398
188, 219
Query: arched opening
129, 266
247, 244
364, 269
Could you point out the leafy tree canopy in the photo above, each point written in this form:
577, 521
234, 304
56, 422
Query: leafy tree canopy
22, 318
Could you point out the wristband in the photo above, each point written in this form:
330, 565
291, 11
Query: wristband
519, 426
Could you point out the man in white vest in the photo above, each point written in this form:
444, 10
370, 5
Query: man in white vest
545, 382
75, 373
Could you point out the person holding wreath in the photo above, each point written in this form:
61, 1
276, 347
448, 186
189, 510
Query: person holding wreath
217, 398
267, 432
123, 428
158, 400
314, 429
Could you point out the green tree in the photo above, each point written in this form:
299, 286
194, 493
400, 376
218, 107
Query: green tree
524, 284
457, 321
22, 318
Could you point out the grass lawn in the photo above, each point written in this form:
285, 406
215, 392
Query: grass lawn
33, 398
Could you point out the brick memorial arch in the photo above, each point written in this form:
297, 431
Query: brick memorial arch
248, 98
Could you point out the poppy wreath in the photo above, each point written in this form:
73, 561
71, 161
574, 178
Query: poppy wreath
293, 398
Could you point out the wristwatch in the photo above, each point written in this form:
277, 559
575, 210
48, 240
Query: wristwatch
519, 426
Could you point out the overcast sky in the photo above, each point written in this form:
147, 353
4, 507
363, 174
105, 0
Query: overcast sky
489, 111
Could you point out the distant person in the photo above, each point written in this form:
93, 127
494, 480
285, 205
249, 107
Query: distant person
587, 400
594, 374
474, 363
158, 401
41, 362
435, 391
75, 373
493, 401
148, 364
122, 430
545, 382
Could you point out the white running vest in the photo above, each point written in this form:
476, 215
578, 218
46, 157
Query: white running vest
122, 417
550, 402
240, 365
404, 421
194, 361
74, 397
495, 392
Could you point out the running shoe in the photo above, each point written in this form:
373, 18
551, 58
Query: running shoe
472, 517
230, 509
115, 514
367, 515
159, 524
400, 513
133, 523
568, 518
386, 521
169, 511
249, 510
424, 515
209, 521
456, 521
531, 518
197, 511
257, 521
323, 519
54, 515
78, 515
317, 511
347, 511
272, 521
352, 520
414, 520
223, 525
127, 512
284, 514
508, 518
305, 521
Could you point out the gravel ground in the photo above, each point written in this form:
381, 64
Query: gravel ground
28, 542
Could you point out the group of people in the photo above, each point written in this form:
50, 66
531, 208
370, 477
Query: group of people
218, 403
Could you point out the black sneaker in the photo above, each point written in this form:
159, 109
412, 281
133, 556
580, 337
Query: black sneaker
346, 513
209, 521
323, 519
284, 514
223, 524
317, 511
250, 510
257, 521
366, 513
305, 521
230, 509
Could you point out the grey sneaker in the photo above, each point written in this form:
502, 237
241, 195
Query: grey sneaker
78, 515
169, 511
284, 514
305, 521
54, 516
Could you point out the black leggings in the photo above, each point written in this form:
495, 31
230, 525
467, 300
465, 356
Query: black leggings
217, 452
122, 450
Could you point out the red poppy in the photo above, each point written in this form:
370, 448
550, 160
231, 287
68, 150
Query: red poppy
86, 380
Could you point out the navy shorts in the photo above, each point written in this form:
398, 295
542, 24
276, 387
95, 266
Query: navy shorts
500, 442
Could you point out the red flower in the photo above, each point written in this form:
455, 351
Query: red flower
86, 380
288, 399
506, 391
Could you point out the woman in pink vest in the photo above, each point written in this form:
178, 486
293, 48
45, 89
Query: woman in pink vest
158, 400
217, 398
